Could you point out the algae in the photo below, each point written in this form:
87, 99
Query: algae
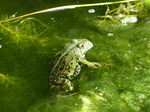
25, 56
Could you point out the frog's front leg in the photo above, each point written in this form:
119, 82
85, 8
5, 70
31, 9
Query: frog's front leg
62, 85
92, 64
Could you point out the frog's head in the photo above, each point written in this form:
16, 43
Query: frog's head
81, 46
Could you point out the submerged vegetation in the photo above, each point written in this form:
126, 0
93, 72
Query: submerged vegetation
6, 80
24, 30
134, 8
121, 88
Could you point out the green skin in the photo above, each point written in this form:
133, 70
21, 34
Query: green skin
66, 65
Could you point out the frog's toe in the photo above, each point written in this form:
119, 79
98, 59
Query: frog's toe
68, 88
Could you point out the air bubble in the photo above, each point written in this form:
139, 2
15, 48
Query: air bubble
91, 11
96, 87
142, 96
136, 68
110, 34
129, 51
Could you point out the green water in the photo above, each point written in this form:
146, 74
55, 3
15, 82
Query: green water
30, 45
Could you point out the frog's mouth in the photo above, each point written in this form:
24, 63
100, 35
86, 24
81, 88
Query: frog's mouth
90, 45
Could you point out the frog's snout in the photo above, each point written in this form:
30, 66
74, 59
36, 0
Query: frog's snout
90, 45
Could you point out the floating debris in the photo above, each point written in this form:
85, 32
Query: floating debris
6, 80
65, 8
126, 12
132, 19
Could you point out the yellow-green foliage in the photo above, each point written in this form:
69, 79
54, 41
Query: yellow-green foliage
22, 30
124, 10
6, 80
121, 88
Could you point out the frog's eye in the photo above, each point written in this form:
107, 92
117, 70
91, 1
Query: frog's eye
81, 45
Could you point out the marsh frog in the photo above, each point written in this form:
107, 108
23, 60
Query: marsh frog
66, 65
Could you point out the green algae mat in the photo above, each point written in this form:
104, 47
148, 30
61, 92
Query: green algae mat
27, 45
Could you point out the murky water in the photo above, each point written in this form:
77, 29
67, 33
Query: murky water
28, 44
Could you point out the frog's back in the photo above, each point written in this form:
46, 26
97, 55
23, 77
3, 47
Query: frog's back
66, 62
66, 66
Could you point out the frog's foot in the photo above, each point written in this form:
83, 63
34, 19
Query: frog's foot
61, 89
67, 95
97, 65
61, 85
104, 64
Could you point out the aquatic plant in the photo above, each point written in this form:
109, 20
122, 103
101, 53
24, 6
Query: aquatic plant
126, 12
22, 30
6, 80
123, 88
27, 29
65, 8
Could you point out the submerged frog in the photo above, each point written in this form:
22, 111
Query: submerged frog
66, 65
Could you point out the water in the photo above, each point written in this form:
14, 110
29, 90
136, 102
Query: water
27, 46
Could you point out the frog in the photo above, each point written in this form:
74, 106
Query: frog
66, 65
